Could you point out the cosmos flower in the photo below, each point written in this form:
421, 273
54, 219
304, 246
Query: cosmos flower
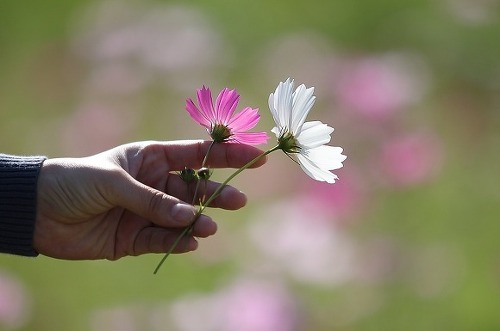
304, 141
221, 122
246, 304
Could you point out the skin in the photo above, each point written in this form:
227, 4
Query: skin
129, 200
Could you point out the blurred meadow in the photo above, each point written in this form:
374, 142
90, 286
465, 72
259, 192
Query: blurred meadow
407, 239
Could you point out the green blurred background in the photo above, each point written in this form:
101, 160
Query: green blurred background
407, 239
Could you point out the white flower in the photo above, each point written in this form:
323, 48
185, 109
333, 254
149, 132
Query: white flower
305, 140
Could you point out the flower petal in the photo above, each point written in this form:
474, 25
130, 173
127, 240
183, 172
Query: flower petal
226, 103
250, 138
206, 104
276, 131
245, 120
281, 103
289, 112
197, 115
274, 112
221, 122
313, 171
303, 100
325, 157
314, 134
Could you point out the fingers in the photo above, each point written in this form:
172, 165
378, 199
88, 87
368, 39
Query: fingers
152, 162
160, 240
190, 154
230, 198
151, 204
169, 215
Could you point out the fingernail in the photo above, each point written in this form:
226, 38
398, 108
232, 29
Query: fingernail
183, 214
236, 198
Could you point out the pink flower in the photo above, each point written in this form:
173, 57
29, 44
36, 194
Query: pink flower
411, 159
323, 252
379, 87
15, 303
245, 305
344, 200
221, 122
250, 305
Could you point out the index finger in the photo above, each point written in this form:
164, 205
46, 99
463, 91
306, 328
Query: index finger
190, 154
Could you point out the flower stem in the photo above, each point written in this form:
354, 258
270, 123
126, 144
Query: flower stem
209, 201
202, 166
234, 174
176, 242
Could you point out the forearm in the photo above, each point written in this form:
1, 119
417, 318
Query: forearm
18, 191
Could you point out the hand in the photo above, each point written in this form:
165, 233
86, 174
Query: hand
128, 201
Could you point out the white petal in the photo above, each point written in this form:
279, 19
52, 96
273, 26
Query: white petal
273, 110
314, 134
283, 102
303, 100
325, 157
276, 131
314, 171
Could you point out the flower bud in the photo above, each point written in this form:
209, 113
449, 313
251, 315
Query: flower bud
204, 173
188, 175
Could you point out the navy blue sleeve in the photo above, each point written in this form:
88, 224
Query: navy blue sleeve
18, 191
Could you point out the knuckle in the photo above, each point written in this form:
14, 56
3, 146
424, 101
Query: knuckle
156, 199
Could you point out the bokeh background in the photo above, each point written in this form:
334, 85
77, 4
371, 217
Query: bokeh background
406, 240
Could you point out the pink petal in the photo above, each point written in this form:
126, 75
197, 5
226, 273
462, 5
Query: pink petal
196, 114
223, 113
245, 120
206, 103
226, 103
250, 138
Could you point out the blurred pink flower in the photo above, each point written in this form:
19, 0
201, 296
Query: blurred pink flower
379, 87
410, 159
342, 200
221, 122
311, 246
96, 126
245, 305
14, 303
256, 306
172, 43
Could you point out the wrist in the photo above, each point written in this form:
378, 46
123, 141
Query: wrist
18, 192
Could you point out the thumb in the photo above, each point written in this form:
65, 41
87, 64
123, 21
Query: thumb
152, 204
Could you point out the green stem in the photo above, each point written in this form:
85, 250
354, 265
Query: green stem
202, 165
234, 174
176, 242
209, 201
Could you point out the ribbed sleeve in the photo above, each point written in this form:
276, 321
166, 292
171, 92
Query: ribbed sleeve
18, 189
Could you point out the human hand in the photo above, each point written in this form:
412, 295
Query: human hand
126, 201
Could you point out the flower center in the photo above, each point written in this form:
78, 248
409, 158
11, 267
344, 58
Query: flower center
288, 143
220, 133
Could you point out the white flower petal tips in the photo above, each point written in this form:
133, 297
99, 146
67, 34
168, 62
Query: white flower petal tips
304, 140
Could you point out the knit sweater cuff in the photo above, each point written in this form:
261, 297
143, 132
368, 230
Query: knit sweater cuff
18, 191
